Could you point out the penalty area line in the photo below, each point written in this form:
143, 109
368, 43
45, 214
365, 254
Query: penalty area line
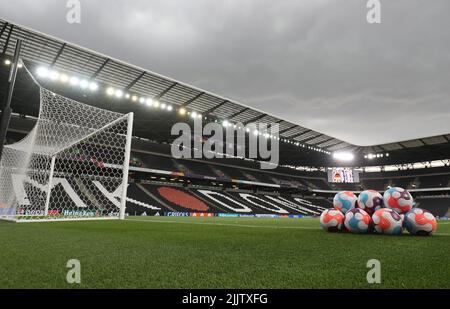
229, 224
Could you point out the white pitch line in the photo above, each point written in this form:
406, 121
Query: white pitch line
244, 225
230, 224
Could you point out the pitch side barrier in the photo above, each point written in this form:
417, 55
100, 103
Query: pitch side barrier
232, 215
410, 190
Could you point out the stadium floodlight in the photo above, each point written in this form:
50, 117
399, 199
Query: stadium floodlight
156, 103
118, 93
149, 102
200, 116
74, 81
93, 86
194, 115
163, 106
343, 156
7, 62
54, 75
42, 72
182, 111
84, 84
127, 96
64, 78
169, 108
110, 91
134, 98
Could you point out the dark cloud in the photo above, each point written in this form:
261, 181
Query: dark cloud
316, 63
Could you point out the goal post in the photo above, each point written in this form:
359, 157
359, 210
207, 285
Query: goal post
126, 167
73, 165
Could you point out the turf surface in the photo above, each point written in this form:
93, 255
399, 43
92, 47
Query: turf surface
167, 252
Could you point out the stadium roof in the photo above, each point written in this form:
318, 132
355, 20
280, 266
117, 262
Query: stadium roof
43, 49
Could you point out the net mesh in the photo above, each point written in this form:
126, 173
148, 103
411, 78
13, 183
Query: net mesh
72, 165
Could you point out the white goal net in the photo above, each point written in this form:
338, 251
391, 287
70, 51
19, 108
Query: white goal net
73, 165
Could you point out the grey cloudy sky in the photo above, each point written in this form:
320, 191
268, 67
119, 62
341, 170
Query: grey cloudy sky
317, 63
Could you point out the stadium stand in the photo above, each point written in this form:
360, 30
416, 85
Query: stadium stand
207, 186
437, 205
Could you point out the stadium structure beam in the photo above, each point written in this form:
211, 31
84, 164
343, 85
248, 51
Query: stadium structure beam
324, 141
7, 40
135, 81
6, 110
332, 144
212, 109
276, 122
159, 96
238, 113
100, 69
287, 129
3, 29
58, 54
255, 119
317, 144
313, 137
192, 100
300, 134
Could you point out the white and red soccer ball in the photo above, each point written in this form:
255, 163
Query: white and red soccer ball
344, 201
357, 221
387, 221
398, 199
332, 220
370, 201
420, 222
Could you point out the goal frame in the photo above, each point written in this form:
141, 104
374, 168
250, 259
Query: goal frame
129, 118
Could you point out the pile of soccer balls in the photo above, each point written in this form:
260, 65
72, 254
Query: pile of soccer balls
372, 212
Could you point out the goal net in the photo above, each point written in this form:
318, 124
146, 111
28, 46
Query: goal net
73, 165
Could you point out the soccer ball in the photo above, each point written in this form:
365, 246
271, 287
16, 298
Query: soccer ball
344, 201
387, 221
357, 221
370, 201
420, 222
331, 220
398, 199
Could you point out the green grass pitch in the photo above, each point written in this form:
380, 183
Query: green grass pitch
168, 252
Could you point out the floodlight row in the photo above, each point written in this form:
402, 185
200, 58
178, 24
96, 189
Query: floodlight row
53, 75
371, 156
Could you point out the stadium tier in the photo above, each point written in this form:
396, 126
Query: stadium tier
160, 184
152, 199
